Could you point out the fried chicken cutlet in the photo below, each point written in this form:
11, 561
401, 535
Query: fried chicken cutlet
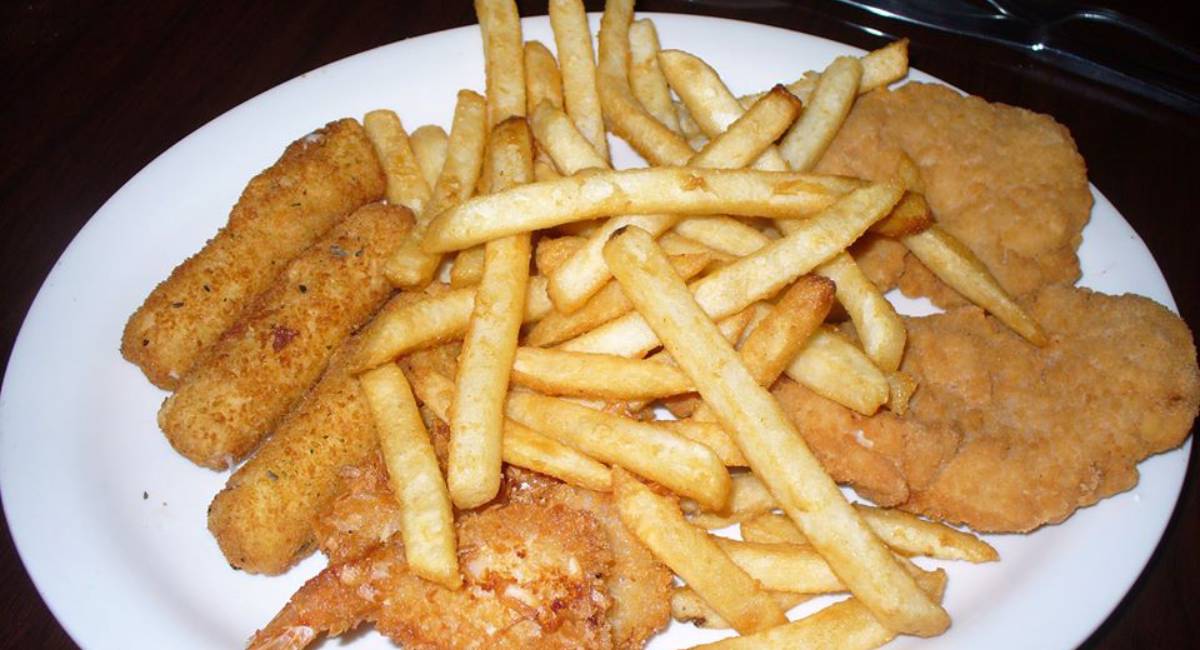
1007, 182
1005, 437
1049, 430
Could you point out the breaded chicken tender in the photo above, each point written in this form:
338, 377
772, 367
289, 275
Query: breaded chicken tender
533, 577
1007, 182
246, 383
1049, 430
319, 179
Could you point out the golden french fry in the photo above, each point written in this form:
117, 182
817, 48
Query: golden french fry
847, 625
769, 441
467, 268
775, 342
426, 518
910, 216
646, 449
625, 336
714, 107
953, 263
748, 498
624, 114
678, 190
543, 83
561, 139
711, 435
605, 305
673, 243
740, 143
604, 376
573, 37
551, 252
903, 532
834, 368
879, 327
645, 79
783, 567
770, 528
410, 266
688, 607
724, 234
429, 148
823, 115
521, 446
405, 183
908, 534
657, 522
760, 275
504, 62
490, 342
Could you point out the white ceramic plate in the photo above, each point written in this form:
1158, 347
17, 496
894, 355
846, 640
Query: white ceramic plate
110, 522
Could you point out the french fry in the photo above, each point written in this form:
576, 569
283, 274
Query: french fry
953, 263
678, 190
543, 83
426, 518
647, 449
775, 342
762, 274
605, 305
551, 252
581, 98
645, 79
847, 624
624, 114
429, 148
711, 435
585, 273
834, 368
748, 498
694, 556
723, 234
688, 607
490, 342
904, 533
824, 112
411, 266
625, 336
582, 374
405, 183
714, 107
767, 438
783, 567
504, 64
467, 268
880, 68
770, 528
521, 446
673, 243
561, 139
879, 327
910, 216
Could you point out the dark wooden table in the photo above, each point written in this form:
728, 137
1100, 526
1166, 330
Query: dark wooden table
95, 90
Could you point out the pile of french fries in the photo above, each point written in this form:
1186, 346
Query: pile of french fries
711, 272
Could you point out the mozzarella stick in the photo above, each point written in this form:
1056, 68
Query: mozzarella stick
265, 362
320, 178
262, 520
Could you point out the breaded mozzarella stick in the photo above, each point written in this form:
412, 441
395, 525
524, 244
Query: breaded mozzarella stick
320, 178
